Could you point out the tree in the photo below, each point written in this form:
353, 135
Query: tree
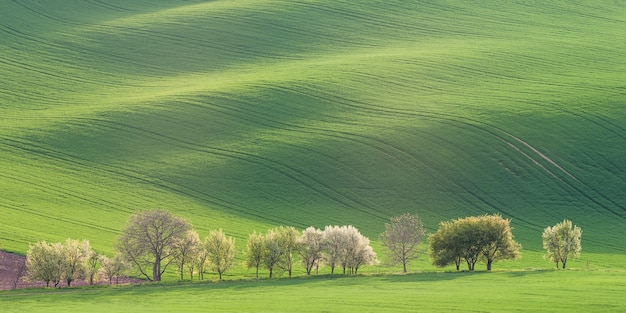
562, 241
334, 242
254, 251
46, 262
289, 240
488, 237
498, 239
201, 259
356, 250
220, 251
75, 253
310, 247
40, 262
113, 267
148, 240
91, 270
443, 250
273, 251
185, 251
402, 237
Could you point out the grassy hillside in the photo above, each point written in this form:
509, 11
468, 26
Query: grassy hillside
248, 114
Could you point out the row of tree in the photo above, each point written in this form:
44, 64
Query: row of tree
489, 238
342, 246
70, 261
153, 240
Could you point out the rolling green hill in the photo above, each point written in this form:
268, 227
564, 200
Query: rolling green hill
248, 114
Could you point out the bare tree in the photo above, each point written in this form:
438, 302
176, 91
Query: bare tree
185, 251
561, 241
402, 237
310, 247
254, 251
148, 239
220, 251
21, 271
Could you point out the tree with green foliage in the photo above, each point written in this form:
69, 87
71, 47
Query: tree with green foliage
310, 247
486, 237
43, 261
185, 251
497, 239
273, 252
254, 251
91, 268
115, 267
220, 251
402, 237
443, 250
148, 241
562, 241
289, 240
200, 261
75, 254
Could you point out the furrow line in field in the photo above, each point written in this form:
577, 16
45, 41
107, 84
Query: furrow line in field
372, 143
117, 171
279, 167
380, 20
52, 72
46, 14
485, 127
110, 6
83, 55
306, 179
48, 188
49, 217
32, 149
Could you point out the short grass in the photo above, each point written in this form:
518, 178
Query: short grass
514, 291
245, 115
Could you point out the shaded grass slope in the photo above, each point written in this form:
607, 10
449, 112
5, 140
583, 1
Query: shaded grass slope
247, 114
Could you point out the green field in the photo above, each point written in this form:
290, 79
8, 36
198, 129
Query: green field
249, 114
529, 291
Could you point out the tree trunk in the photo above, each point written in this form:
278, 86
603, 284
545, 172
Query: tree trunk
271, 271
489, 261
404, 265
156, 268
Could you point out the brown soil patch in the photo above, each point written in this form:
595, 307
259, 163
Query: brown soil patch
13, 270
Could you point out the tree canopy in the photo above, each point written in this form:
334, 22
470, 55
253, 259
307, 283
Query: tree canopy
562, 241
487, 237
149, 241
